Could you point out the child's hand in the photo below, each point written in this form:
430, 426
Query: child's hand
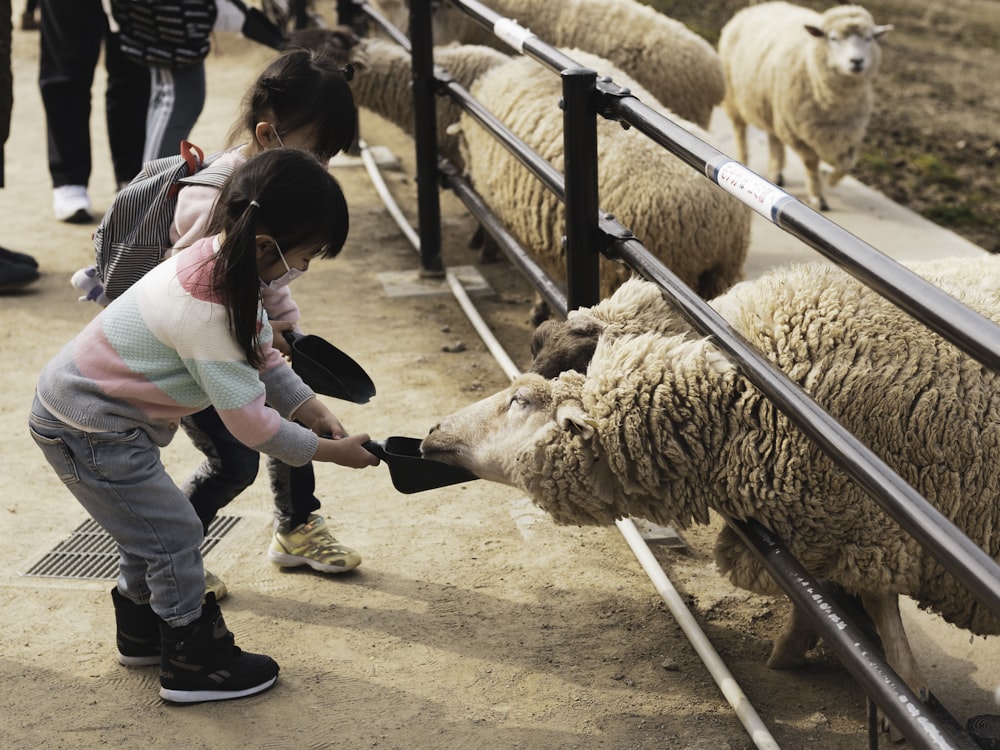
346, 451
314, 415
279, 342
328, 426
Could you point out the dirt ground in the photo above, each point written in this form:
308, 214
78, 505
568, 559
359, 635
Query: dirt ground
473, 621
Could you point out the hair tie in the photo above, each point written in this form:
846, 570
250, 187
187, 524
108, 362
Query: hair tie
255, 204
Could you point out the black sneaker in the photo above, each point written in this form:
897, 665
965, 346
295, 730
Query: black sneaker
201, 662
138, 632
15, 276
15, 257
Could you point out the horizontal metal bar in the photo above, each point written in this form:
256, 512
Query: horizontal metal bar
554, 297
972, 332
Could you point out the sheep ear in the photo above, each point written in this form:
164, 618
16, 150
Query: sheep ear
815, 31
880, 30
571, 417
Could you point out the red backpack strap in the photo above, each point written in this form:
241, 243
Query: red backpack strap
193, 155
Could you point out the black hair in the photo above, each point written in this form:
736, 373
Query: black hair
303, 88
284, 193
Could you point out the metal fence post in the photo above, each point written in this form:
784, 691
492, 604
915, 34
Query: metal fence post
582, 243
425, 130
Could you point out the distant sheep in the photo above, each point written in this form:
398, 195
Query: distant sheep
385, 85
697, 230
664, 427
805, 79
677, 66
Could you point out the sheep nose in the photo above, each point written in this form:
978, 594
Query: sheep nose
857, 64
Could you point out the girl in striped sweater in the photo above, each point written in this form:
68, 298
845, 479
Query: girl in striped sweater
189, 334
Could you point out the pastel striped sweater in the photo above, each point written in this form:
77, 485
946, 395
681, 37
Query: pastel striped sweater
163, 350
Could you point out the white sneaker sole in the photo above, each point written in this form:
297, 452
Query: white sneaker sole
284, 560
201, 696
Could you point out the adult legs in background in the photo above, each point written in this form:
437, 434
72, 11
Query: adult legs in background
176, 99
125, 104
72, 32
17, 270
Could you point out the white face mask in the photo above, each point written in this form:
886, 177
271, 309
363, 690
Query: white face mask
287, 277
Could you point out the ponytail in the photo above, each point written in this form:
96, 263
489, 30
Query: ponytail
287, 194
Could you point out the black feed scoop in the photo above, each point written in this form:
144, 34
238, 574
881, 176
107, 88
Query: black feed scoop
327, 370
409, 472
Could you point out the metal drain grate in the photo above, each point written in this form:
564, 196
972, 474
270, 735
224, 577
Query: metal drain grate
91, 553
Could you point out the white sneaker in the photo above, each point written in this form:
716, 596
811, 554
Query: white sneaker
70, 203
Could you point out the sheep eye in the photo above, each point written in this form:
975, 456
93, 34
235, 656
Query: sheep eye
518, 399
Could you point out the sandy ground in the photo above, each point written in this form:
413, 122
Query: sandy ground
473, 621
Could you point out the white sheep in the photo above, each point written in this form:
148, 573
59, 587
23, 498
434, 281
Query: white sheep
385, 85
679, 67
697, 230
805, 79
664, 427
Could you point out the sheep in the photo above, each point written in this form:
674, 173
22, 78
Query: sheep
696, 229
557, 346
805, 79
664, 427
677, 66
385, 85
636, 307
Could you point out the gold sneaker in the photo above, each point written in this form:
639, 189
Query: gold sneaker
214, 584
312, 544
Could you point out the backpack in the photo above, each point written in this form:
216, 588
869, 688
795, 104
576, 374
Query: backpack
134, 234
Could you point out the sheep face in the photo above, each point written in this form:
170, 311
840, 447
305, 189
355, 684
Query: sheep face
535, 436
850, 36
487, 437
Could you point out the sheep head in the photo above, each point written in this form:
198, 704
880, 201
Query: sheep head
850, 35
637, 306
625, 439
536, 436
557, 347
339, 42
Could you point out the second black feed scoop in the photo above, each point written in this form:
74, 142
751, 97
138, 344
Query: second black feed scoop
327, 370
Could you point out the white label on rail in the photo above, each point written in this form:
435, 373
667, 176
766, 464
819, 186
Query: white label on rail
749, 187
510, 32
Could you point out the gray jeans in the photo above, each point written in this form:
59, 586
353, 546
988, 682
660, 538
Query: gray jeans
119, 479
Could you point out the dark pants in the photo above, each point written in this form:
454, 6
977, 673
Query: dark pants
6, 78
72, 32
230, 467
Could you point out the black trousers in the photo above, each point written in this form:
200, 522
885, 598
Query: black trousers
6, 79
72, 33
